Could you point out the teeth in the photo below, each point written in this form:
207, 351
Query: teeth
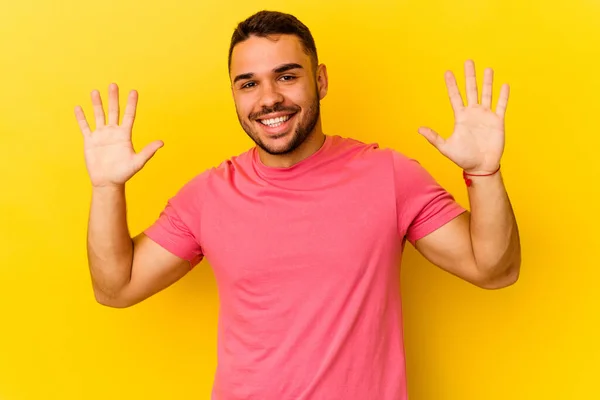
274, 122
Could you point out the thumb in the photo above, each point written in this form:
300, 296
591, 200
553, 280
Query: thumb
432, 137
147, 153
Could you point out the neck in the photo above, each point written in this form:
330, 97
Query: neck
310, 146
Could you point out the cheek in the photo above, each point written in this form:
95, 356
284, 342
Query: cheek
243, 106
299, 96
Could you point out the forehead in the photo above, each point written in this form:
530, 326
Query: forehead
262, 54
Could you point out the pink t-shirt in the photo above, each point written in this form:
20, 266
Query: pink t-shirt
306, 261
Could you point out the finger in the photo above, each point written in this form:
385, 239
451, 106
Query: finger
502, 101
130, 110
486, 90
82, 121
98, 109
455, 99
432, 137
470, 82
113, 104
147, 153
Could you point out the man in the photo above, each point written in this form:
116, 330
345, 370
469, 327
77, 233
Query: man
304, 230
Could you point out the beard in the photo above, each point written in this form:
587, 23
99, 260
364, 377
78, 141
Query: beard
304, 127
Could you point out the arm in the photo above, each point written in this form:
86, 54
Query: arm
481, 246
124, 271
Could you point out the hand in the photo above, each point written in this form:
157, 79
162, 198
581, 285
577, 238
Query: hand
477, 143
109, 154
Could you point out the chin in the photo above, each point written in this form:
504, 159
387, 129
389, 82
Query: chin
285, 137
280, 144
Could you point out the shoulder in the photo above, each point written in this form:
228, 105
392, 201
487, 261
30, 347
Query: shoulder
407, 172
357, 150
348, 145
199, 183
386, 162
372, 151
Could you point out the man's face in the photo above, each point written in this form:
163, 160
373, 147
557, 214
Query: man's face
276, 91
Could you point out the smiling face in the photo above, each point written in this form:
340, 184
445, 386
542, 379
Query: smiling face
277, 92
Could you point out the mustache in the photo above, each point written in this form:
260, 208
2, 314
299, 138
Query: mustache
271, 110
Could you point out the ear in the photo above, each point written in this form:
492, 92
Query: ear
322, 81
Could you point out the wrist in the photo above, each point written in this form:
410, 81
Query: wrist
108, 188
470, 175
482, 171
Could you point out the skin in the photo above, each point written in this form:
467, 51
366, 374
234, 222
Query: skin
124, 270
481, 246
271, 77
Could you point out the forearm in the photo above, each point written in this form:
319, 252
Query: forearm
493, 227
110, 248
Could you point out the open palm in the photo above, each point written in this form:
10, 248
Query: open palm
109, 154
477, 142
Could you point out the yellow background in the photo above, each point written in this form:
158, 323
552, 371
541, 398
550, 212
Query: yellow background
386, 59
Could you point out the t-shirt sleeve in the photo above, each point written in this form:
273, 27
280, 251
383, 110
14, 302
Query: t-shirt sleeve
423, 205
177, 228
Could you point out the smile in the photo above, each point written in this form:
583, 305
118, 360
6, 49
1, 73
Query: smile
275, 122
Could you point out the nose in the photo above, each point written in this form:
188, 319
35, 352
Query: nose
270, 95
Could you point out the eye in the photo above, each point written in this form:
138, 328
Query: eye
247, 85
288, 77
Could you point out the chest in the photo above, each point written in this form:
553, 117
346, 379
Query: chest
278, 234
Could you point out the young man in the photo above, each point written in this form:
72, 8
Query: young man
305, 231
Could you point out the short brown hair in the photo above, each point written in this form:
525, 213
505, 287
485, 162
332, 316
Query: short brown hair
266, 23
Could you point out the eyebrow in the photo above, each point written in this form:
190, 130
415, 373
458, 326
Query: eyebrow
278, 70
